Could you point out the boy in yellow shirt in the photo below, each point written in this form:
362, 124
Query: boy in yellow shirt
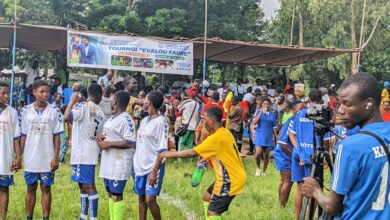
221, 149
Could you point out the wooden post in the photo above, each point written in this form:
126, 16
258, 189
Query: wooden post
353, 37
300, 30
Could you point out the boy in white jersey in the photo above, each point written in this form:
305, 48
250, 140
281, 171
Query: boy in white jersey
41, 126
152, 139
9, 147
117, 144
87, 118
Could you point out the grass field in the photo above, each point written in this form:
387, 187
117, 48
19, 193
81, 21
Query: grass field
179, 200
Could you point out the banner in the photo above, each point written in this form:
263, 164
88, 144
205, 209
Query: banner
129, 53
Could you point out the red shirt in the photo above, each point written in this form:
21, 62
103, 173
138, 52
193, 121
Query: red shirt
332, 103
386, 116
209, 105
224, 114
245, 106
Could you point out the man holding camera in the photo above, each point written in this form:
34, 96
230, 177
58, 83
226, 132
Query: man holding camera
360, 180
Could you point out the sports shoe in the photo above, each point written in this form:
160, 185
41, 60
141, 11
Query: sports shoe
258, 172
264, 174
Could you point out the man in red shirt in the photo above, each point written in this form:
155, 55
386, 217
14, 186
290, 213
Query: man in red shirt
201, 131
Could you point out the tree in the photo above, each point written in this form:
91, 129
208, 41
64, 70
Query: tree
167, 23
329, 24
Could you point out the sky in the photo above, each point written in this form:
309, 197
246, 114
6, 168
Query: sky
269, 7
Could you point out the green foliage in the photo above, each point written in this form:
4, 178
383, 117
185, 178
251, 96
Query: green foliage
166, 23
328, 24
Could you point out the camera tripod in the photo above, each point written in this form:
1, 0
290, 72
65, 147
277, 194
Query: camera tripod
309, 205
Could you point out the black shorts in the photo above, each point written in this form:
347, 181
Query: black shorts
218, 204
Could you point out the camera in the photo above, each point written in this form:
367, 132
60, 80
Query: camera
321, 116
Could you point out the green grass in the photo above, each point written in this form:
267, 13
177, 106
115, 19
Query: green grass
259, 200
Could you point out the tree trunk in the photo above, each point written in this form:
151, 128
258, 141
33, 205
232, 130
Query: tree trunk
353, 36
130, 3
300, 30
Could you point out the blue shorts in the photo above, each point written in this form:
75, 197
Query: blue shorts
115, 186
298, 172
6, 181
282, 163
84, 174
142, 187
47, 179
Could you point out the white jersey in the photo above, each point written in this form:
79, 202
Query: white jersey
152, 138
117, 164
87, 125
9, 130
39, 127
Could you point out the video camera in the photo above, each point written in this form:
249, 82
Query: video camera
322, 118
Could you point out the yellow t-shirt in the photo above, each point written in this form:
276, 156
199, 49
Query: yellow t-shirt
130, 106
220, 148
385, 96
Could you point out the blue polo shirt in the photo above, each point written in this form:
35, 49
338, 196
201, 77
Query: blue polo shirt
361, 174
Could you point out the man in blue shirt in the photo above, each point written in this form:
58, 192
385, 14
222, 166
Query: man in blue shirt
301, 136
360, 181
106, 79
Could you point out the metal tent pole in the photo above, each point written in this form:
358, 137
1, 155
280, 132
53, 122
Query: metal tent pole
13, 59
205, 45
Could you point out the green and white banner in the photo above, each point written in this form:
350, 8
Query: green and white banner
129, 53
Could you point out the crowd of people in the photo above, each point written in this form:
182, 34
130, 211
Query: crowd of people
129, 128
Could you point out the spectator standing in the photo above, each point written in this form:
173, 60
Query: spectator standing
189, 113
140, 81
235, 118
106, 79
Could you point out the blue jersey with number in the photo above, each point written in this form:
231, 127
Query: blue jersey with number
361, 174
303, 128
284, 139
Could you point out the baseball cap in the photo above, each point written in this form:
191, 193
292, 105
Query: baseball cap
386, 84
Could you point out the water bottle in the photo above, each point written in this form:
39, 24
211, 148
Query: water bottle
198, 174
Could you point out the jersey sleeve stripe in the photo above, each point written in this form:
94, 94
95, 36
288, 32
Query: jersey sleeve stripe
337, 168
282, 142
162, 150
290, 130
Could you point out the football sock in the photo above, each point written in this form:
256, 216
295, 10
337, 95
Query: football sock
84, 206
205, 207
111, 208
119, 210
93, 205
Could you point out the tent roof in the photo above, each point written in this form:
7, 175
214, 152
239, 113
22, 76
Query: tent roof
52, 38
